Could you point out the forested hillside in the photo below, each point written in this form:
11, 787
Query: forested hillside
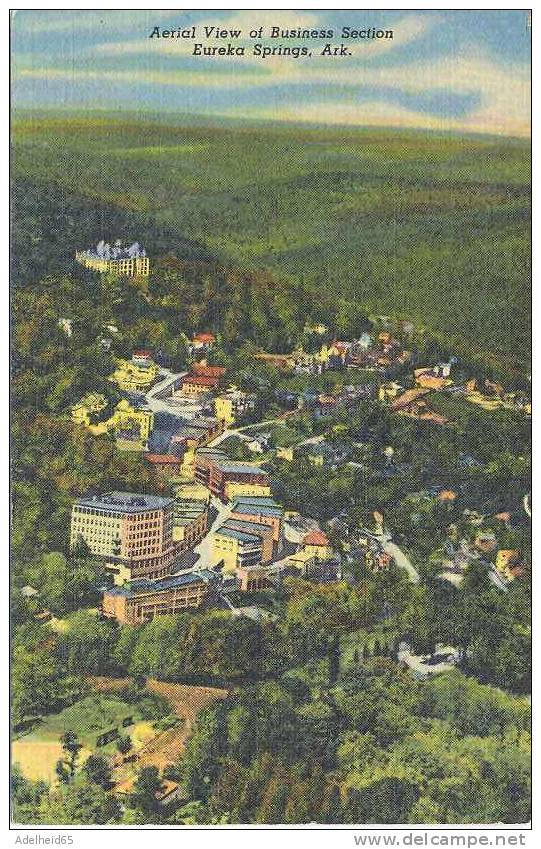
430, 228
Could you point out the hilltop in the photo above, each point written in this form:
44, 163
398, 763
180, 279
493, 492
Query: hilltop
430, 227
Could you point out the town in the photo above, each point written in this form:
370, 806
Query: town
219, 529
254, 481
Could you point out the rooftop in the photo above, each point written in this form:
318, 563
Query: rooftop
104, 250
146, 586
238, 535
125, 502
240, 468
316, 538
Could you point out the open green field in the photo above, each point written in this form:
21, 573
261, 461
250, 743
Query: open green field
38, 752
430, 227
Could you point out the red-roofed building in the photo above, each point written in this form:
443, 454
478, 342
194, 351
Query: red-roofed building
203, 370
317, 544
203, 340
194, 384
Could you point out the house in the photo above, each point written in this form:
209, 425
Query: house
197, 384
388, 391
302, 560
202, 341
509, 564
135, 376
324, 406
260, 443
317, 544
485, 541
284, 453
284, 362
411, 404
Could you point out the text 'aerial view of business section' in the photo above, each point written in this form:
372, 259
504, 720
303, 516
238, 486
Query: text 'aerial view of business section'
270, 418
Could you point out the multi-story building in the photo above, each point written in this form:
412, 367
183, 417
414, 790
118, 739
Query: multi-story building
127, 421
236, 549
140, 601
127, 261
232, 405
190, 522
131, 533
227, 479
166, 465
263, 510
196, 384
135, 375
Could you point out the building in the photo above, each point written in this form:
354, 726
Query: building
87, 411
302, 560
202, 341
131, 533
317, 544
250, 526
196, 384
235, 549
140, 601
226, 478
135, 375
126, 261
509, 564
198, 432
388, 391
166, 465
232, 405
128, 423
251, 579
190, 521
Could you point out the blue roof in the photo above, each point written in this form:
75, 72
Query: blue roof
239, 535
125, 502
240, 468
256, 500
256, 510
246, 526
144, 585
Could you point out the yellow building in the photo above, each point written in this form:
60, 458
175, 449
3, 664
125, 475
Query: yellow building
131, 377
388, 391
91, 404
284, 453
317, 544
127, 261
302, 560
124, 418
233, 489
233, 404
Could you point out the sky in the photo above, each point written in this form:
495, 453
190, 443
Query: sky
466, 71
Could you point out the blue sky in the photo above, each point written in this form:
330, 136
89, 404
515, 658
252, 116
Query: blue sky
443, 70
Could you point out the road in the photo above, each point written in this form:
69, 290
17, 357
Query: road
526, 505
401, 560
235, 431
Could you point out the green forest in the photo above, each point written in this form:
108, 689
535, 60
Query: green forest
432, 228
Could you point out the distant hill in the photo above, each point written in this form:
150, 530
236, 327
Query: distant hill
426, 226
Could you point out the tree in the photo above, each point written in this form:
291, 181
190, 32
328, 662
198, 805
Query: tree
98, 771
124, 744
71, 747
147, 785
